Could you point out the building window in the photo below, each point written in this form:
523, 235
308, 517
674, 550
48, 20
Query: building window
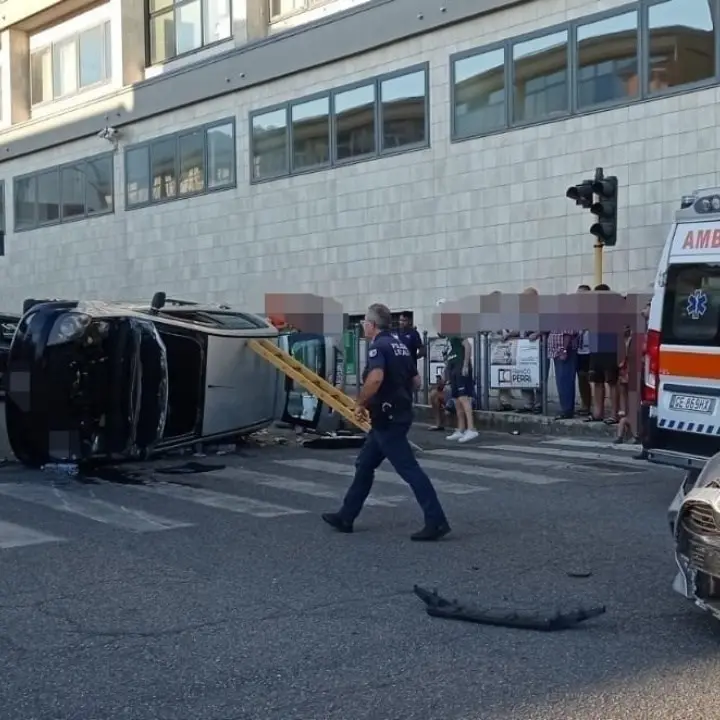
681, 44
354, 116
270, 144
282, 8
2, 218
384, 115
181, 165
479, 101
63, 193
310, 123
178, 27
403, 120
540, 78
71, 65
607, 64
678, 39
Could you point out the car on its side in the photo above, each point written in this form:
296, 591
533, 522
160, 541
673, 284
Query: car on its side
95, 381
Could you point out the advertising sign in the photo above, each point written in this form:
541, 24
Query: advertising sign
515, 364
436, 351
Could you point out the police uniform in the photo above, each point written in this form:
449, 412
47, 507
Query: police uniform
391, 415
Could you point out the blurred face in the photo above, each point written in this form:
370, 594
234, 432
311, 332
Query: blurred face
583, 289
404, 322
369, 328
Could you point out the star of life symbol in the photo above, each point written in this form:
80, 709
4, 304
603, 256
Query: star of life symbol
697, 304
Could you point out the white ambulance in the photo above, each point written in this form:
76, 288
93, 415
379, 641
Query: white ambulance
681, 383
681, 390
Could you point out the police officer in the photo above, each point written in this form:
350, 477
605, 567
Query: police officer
386, 396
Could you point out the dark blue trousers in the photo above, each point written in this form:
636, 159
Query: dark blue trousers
391, 442
565, 371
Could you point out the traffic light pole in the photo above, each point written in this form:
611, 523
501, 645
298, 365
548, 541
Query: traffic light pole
598, 246
604, 230
598, 264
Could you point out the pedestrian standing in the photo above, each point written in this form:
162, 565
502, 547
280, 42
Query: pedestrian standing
386, 398
583, 366
460, 377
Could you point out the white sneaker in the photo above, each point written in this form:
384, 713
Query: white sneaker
468, 435
455, 436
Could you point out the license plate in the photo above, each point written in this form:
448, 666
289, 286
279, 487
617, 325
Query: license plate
692, 403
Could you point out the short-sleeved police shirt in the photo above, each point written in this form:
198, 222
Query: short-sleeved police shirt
412, 340
393, 357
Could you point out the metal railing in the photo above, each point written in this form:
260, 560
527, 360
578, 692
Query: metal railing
486, 367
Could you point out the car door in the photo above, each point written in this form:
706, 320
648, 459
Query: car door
302, 408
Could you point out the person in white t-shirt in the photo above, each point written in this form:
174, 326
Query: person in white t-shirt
583, 367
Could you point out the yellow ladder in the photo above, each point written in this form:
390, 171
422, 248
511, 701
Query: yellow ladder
321, 388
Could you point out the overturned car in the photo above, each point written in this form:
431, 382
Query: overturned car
103, 381
8, 325
694, 517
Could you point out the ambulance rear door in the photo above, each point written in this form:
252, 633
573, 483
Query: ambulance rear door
688, 399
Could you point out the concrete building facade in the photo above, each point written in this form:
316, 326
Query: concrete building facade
392, 150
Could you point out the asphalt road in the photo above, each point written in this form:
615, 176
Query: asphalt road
222, 596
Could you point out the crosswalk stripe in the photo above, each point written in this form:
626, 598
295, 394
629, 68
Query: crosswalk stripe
89, 507
607, 444
491, 473
488, 457
221, 501
303, 487
12, 536
384, 476
570, 454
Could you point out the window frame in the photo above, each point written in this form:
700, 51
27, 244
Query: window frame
203, 45
333, 163
327, 95
463, 55
306, 5
641, 45
569, 69
175, 136
645, 56
74, 38
571, 26
57, 169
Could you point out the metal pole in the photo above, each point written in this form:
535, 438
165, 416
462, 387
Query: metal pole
598, 248
358, 330
486, 373
426, 369
477, 366
544, 374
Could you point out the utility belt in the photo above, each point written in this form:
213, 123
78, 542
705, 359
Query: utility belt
384, 413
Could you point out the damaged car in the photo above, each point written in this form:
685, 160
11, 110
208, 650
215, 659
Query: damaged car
8, 325
91, 381
694, 517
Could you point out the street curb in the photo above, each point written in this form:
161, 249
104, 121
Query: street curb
530, 424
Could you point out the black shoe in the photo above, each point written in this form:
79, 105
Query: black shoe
431, 532
337, 522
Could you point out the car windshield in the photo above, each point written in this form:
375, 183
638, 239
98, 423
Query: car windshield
691, 311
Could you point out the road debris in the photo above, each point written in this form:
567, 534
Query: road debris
437, 606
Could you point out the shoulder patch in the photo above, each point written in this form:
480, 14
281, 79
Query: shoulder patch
373, 353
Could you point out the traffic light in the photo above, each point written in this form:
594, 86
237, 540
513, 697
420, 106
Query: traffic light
605, 229
582, 194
